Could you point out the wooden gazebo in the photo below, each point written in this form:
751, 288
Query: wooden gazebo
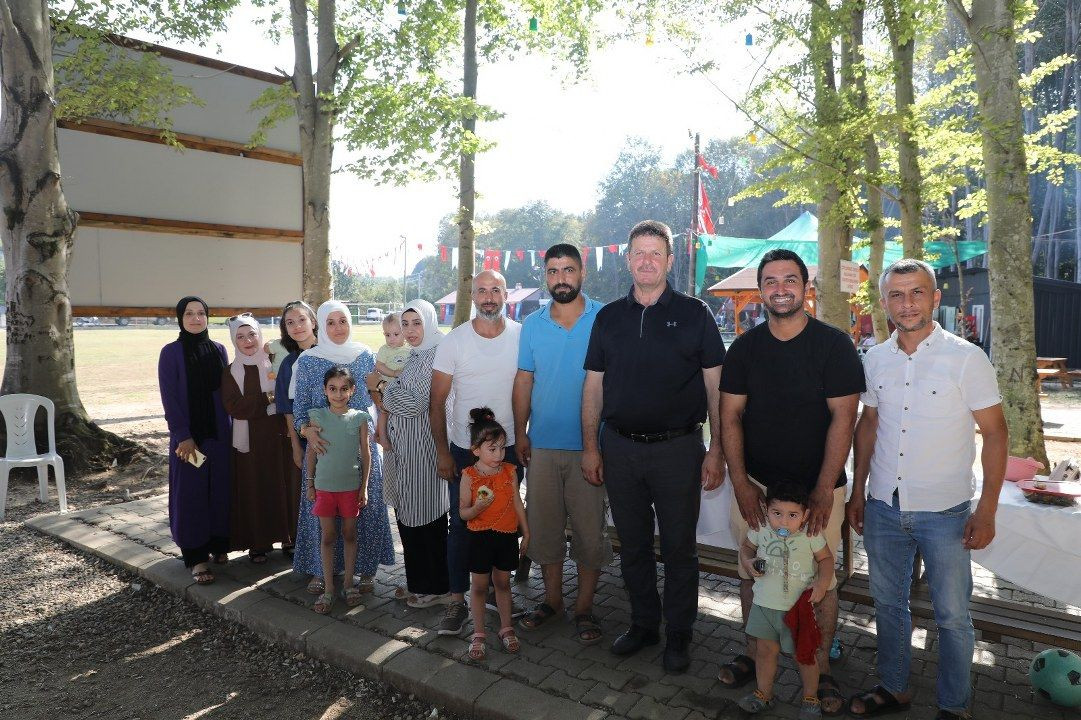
742, 288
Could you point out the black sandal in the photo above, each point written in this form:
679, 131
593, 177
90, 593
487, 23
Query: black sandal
540, 615
828, 689
588, 629
742, 669
877, 702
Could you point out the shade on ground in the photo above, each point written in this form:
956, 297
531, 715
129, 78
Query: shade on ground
801, 237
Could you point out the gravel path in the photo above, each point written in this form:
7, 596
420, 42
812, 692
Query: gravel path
80, 639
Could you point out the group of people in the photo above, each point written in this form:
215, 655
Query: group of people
604, 408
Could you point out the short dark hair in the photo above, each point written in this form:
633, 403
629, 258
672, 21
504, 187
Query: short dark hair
287, 342
904, 266
654, 228
340, 371
484, 428
786, 492
783, 254
563, 250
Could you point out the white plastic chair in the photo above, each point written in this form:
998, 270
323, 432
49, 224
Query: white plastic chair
19, 411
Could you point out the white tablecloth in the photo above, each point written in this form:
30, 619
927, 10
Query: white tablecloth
1036, 547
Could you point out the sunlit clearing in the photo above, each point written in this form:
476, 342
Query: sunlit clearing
168, 644
337, 710
207, 710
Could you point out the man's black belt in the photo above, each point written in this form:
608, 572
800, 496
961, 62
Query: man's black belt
657, 436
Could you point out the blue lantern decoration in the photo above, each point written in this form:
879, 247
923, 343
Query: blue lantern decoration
748, 40
402, 9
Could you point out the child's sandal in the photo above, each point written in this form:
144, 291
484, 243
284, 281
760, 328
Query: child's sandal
366, 584
323, 604
509, 640
755, 702
477, 647
352, 597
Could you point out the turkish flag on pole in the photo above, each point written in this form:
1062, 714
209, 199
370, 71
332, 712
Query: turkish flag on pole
705, 215
711, 169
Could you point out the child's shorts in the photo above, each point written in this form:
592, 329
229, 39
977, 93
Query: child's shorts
490, 549
768, 624
336, 504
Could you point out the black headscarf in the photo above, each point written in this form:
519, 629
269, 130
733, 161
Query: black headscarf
203, 365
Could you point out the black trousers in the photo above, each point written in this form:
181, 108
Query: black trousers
425, 550
194, 556
661, 481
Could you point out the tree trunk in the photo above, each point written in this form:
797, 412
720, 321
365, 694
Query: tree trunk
467, 196
316, 122
834, 225
900, 25
1013, 342
38, 232
1075, 26
873, 165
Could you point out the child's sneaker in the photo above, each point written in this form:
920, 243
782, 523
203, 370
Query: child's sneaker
756, 702
810, 708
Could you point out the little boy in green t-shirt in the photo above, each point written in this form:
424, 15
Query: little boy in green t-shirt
784, 561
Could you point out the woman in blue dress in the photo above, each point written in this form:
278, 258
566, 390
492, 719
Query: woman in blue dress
297, 335
374, 544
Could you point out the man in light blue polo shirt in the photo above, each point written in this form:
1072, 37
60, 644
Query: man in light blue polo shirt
548, 397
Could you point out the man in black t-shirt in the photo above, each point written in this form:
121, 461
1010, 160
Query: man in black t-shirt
789, 394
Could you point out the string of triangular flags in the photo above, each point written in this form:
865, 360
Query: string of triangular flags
493, 259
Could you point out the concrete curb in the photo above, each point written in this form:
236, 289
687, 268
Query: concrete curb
463, 689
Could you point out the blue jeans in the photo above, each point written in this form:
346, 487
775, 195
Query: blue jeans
892, 538
458, 539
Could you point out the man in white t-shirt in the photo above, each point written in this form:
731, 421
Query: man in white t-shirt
927, 390
474, 367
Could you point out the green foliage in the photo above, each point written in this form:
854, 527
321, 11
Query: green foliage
97, 76
353, 287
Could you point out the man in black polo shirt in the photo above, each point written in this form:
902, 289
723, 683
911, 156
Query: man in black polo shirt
789, 394
653, 372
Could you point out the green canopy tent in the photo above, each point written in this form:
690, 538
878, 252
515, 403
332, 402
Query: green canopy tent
801, 237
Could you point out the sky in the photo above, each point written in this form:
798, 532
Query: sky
555, 142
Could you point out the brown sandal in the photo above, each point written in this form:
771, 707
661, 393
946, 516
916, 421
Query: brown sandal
477, 649
510, 641
202, 577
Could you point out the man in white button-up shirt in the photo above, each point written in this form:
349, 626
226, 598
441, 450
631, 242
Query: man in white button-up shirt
926, 391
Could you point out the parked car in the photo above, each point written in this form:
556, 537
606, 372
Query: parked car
374, 315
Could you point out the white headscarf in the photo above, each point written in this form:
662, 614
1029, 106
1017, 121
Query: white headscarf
260, 360
338, 353
432, 333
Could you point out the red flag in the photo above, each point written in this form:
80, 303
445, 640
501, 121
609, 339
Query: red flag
442, 253
705, 215
585, 252
492, 260
711, 169
613, 249
520, 254
420, 246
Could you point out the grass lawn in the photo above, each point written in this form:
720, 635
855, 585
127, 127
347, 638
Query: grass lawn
117, 367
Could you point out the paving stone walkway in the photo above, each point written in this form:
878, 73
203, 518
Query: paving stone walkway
553, 677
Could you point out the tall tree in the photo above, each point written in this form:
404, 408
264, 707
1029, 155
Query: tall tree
901, 19
38, 227
990, 27
467, 170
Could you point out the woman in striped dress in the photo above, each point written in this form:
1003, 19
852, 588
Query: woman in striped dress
421, 502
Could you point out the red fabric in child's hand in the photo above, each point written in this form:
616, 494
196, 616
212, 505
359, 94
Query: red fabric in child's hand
801, 621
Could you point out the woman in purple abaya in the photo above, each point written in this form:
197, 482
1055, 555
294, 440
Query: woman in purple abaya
189, 377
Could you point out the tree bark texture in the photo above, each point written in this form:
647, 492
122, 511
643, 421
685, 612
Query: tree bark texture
316, 120
38, 232
834, 227
467, 193
900, 25
872, 161
1013, 341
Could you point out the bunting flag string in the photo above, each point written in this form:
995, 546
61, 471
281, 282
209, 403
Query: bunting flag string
490, 259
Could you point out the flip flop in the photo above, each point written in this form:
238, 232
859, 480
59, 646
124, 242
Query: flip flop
742, 669
540, 615
203, 577
876, 702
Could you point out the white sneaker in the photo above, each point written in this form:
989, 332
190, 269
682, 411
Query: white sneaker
425, 601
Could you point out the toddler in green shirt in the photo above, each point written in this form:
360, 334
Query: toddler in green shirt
784, 561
